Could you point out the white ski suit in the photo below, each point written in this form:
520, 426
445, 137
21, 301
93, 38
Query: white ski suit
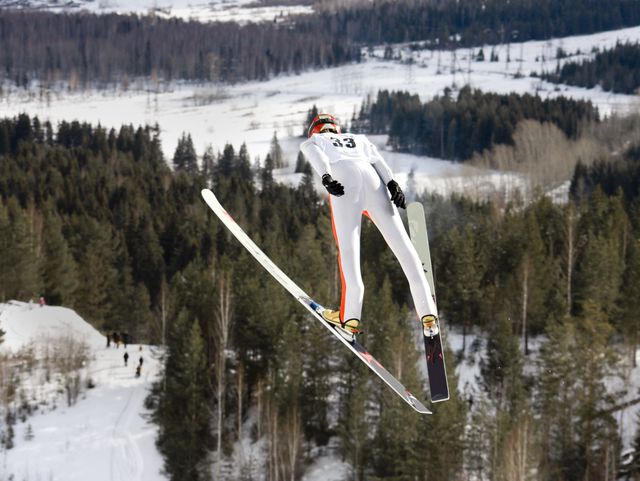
355, 162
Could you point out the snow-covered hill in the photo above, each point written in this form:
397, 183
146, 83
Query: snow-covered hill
240, 11
216, 114
104, 434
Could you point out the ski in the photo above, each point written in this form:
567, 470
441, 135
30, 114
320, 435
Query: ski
438, 384
312, 306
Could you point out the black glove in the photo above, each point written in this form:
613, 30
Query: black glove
397, 196
333, 186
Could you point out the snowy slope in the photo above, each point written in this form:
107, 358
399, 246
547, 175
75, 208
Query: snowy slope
28, 323
252, 112
105, 435
240, 11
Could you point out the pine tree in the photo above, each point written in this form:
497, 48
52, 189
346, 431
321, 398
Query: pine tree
554, 401
311, 114
536, 281
302, 165
462, 276
600, 264
312, 273
596, 427
629, 302
443, 455
267, 173
579, 434
19, 277
185, 158
243, 169
97, 274
131, 303
354, 426
58, 268
276, 152
502, 379
394, 446
208, 163
478, 437
183, 412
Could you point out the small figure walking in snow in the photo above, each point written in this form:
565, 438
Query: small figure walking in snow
42, 301
126, 358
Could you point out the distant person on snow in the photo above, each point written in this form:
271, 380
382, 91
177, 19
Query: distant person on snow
42, 302
126, 358
359, 181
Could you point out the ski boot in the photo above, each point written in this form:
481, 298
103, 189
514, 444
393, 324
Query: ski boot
430, 325
349, 326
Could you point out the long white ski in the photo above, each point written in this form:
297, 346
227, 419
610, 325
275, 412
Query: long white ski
312, 306
438, 384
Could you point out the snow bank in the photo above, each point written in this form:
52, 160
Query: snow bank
26, 323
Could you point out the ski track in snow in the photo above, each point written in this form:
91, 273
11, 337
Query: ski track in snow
126, 460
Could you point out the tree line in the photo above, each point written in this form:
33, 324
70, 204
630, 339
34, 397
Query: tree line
95, 50
614, 70
96, 220
474, 121
90, 50
469, 23
612, 178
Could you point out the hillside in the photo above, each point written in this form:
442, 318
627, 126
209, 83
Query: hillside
104, 434
253, 112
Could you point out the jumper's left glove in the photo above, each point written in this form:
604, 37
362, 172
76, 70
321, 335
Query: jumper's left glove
397, 196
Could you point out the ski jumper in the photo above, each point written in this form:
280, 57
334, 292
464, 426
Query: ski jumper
356, 163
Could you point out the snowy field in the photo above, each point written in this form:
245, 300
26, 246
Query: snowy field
240, 11
216, 114
105, 435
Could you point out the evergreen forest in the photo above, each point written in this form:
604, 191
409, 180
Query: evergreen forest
87, 50
614, 70
97, 220
474, 121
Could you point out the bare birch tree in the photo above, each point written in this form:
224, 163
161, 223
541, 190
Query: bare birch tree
222, 328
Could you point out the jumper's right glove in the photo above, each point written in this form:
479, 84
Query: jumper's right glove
397, 196
333, 186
